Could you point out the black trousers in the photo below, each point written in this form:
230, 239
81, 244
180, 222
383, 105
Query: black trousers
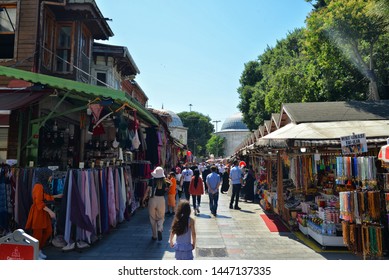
185, 189
235, 194
194, 199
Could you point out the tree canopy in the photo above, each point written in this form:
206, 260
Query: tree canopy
342, 54
199, 131
215, 145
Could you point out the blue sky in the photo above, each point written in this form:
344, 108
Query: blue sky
194, 51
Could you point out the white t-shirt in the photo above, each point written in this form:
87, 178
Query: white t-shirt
187, 173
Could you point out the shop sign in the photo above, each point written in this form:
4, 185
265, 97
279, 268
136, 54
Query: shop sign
16, 252
354, 144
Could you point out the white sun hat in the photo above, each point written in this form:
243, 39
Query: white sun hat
158, 172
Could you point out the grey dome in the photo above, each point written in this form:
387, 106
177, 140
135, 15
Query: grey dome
176, 121
234, 122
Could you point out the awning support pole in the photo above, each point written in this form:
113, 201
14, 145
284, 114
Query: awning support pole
45, 120
20, 131
81, 108
280, 187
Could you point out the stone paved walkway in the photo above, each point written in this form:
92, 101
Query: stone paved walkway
232, 235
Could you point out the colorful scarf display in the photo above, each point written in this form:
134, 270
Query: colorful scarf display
360, 206
358, 168
361, 213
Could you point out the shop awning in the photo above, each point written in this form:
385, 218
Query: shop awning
16, 99
326, 133
78, 87
177, 143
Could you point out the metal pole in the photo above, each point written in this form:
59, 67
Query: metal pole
216, 122
217, 142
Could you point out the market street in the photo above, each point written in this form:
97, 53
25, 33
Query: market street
232, 235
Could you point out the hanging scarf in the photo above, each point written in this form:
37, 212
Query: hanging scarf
374, 205
339, 167
365, 241
356, 208
346, 232
355, 167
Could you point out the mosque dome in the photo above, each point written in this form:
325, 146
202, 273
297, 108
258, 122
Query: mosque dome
234, 122
176, 121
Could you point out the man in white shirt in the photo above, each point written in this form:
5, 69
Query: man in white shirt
186, 176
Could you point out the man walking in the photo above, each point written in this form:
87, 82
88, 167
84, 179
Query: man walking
186, 176
213, 182
236, 176
204, 174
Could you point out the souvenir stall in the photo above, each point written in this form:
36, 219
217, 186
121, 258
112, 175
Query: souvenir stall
95, 201
99, 150
317, 194
262, 166
341, 203
338, 195
364, 205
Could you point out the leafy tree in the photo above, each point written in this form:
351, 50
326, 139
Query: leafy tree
248, 92
342, 54
277, 77
199, 131
351, 27
215, 145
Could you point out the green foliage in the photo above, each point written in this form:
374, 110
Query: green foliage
341, 54
199, 131
349, 27
277, 77
215, 145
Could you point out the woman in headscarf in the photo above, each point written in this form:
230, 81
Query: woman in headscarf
39, 217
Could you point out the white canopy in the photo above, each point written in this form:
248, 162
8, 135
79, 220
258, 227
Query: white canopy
328, 132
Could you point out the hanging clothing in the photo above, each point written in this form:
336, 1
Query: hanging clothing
152, 145
77, 209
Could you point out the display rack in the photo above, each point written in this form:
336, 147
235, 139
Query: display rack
326, 240
303, 229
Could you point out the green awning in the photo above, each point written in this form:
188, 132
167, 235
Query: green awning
78, 87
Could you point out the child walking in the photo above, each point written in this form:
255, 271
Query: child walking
183, 227
171, 196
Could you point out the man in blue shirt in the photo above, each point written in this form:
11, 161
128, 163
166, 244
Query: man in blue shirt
236, 177
213, 182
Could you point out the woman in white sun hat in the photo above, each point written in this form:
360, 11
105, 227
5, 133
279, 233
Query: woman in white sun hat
158, 187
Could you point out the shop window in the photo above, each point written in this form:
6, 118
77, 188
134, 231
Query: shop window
117, 84
7, 31
84, 62
101, 79
48, 41
85, 42
64, 48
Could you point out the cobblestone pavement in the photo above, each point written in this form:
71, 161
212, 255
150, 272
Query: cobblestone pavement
232, 235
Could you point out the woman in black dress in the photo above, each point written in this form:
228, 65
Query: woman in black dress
248, 181
226, 180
